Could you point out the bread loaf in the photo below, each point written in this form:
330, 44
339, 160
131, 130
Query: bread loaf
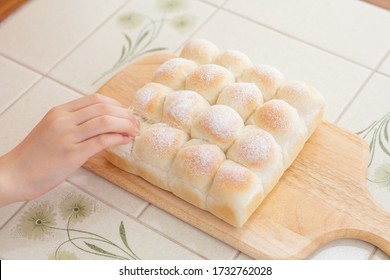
174, 72
193, 171
154, 151
148, 101
181, 108
208, 80
306, 99
242, 97
200, 51
235, 193
217, 130
235, 61
266, 77
218, 125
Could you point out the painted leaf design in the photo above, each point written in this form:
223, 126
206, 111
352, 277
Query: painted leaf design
377, 135
122, 233
382, 175
98, 249
141, 38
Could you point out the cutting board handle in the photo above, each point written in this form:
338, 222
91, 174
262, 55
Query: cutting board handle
373, 225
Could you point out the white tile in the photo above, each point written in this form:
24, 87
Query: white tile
337, 79
380, 255
191, 237
108, 192
215, 2
349, 28
17, 121
344, 249
95, 61
6, 212
97, 224
369, 107
242, 256
42, 32
14, 81
385, 67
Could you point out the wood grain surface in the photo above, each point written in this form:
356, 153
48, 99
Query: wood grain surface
7, 7
320, 198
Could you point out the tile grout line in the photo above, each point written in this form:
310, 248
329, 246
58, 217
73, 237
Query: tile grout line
65, 56
236, 255
217, 9
13, 215
83, 40
372, 253
384, 74
143, 210
295, 38
21, 95
358, 92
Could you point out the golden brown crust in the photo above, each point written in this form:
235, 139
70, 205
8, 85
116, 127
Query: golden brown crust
208, 80
266, 77
174, 72
200, 51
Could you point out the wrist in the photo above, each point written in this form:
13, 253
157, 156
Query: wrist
9, 187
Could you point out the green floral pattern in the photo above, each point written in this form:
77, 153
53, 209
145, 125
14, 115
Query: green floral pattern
40, 220
377, 136
140, 31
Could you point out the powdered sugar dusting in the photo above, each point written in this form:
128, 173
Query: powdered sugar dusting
200, 160
256, 147
235, 175
162, 139
276, 114
199, 50
222, 121
209, 73
172, 66
241, 94
143, 98
180, 106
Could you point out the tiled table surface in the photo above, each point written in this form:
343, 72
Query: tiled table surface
55, 51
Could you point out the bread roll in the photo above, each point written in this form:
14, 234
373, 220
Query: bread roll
242, 97
122, 157
200, 51
154, 151
266, 77
148, 101
257, 150
218, 125
235, 61
282, 121
306, 99
193, 171
174, 72
208, 80
181, 107
235, 194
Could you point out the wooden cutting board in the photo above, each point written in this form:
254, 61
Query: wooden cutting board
321, 197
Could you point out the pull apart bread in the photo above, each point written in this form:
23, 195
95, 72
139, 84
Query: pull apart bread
217, 130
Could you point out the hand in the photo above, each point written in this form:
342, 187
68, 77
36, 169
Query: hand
60, 143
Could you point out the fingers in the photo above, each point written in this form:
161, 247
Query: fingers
96, 114
96, 144
104, 125
96, 110
88, 101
